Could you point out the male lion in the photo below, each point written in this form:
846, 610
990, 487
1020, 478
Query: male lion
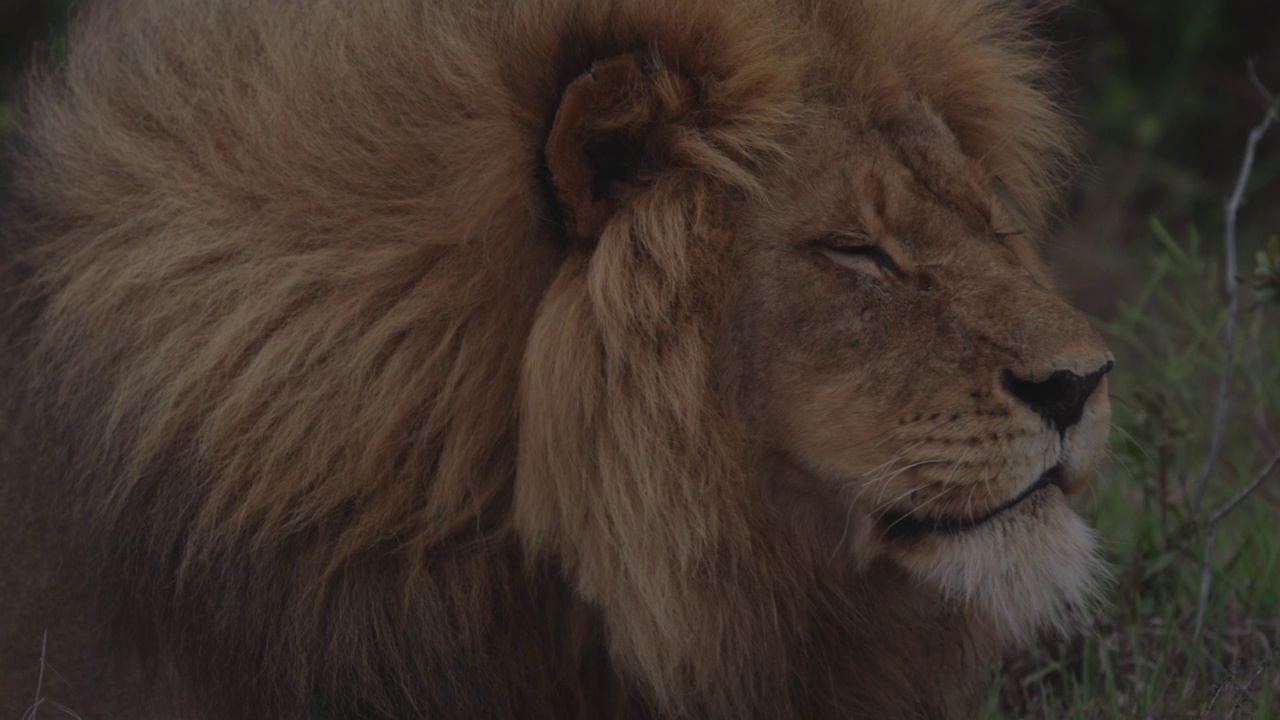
538, 358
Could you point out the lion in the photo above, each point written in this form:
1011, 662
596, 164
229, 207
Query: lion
539, 358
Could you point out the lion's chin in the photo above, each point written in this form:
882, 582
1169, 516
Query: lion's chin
1033, 570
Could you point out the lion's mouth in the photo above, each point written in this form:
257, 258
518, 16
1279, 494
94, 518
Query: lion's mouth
900, 525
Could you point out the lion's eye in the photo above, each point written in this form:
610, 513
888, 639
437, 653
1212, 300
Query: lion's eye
856, 256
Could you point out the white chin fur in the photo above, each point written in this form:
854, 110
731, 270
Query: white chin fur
1033, 569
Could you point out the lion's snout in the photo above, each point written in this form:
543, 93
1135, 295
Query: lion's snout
1059, 398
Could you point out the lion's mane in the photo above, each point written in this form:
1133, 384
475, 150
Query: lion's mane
357, 429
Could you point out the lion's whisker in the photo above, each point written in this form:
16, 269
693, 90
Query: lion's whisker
884, 478
885, 506
883, 481
895, 457
888, 528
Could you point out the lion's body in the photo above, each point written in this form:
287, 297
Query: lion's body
334, 388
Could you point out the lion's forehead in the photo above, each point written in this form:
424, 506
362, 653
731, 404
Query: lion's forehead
928, 201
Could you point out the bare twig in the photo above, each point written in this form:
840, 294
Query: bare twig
1243, 701
1262, 89
1206, 566
1233, 306
44, 647
32, 711
1211, 525
1229, 280
1246, 491
1217, 691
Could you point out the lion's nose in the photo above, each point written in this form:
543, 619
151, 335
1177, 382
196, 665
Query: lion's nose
1059, 398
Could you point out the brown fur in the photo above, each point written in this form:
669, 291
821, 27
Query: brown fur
493, 359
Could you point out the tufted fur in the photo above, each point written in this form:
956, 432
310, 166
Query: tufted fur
368, 386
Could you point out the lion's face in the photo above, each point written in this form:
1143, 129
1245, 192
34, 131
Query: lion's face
910, 371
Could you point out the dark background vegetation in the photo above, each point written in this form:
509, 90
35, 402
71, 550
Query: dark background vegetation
1162, 90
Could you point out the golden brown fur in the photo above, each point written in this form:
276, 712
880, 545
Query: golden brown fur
508, 359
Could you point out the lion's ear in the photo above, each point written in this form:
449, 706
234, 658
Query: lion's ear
602, 136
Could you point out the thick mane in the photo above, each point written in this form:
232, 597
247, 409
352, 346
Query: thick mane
346, 401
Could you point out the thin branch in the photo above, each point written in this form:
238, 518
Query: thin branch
1231, 284
1262, 89
1217, 692
44, 647
1242, 691
1206, 567
1216, 516
32, 711
1211, 525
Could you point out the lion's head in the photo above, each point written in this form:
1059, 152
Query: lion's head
837, 330
689, 358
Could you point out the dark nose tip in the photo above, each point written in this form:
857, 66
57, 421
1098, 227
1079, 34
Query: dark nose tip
1059, 398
